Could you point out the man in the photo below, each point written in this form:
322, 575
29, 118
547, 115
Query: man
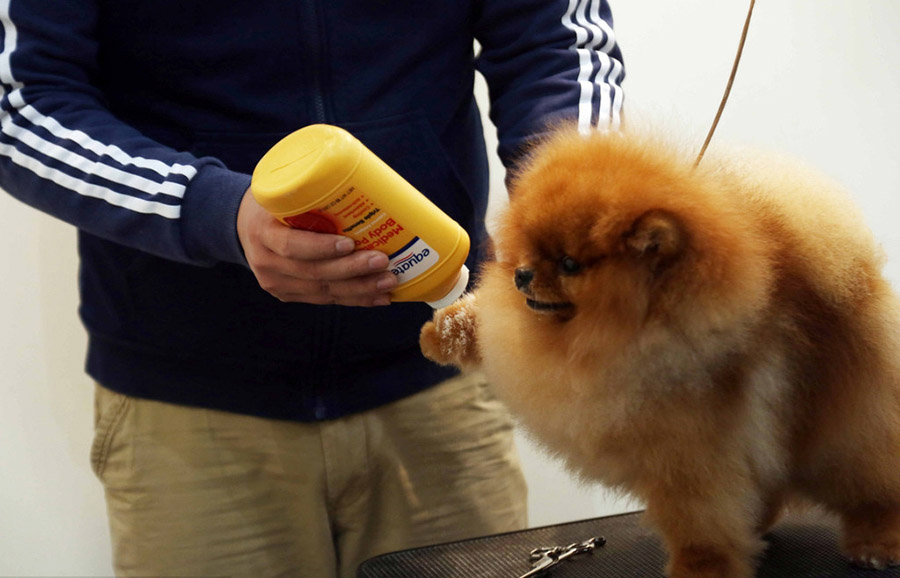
260, 410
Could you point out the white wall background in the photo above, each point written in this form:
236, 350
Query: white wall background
818, 80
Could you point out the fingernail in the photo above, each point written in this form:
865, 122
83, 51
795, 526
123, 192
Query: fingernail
378, 261
382, 301
386, 283
344, 245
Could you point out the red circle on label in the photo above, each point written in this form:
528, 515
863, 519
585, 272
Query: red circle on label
312, 221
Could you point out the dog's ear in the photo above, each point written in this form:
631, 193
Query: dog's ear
656, 237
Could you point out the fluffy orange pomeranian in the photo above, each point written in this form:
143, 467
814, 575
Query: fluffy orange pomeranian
716, 341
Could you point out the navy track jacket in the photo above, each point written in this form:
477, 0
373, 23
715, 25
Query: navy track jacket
139, 123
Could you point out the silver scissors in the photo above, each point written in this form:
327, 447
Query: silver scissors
542, 559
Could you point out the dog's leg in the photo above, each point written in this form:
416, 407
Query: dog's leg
708, 535
872, 536
861, 483
451, 337
853, 468
771, 513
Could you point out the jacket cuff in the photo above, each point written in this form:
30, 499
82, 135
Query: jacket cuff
209, 216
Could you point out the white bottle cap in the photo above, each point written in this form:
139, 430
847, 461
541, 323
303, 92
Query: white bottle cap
458, 289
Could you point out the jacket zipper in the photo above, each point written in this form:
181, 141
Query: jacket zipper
313, 44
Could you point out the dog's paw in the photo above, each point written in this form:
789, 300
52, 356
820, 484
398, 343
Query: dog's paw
871, 537
708, 562
874, 556
450, 338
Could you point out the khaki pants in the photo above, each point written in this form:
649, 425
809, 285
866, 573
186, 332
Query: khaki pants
197, 492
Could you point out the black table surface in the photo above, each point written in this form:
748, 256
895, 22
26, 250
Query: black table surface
800, 546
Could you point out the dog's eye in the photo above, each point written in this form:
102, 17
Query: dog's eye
569, 266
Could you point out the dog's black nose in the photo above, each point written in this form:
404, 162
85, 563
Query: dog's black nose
523, 277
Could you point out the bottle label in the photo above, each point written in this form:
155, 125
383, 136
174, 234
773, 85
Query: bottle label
412, 260
354, 214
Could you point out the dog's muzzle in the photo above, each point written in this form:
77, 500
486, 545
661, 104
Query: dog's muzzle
523, 278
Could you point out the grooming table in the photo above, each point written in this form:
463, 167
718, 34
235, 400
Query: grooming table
800, 546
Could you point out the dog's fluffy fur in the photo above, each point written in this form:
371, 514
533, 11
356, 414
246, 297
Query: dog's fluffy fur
715, 341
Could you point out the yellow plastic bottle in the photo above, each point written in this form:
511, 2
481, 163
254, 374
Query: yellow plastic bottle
321, 178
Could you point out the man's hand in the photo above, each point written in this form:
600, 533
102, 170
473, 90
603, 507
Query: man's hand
306, 267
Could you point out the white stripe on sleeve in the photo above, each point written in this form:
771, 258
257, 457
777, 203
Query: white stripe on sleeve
88, 166
70, 156
619, 94
605, 77
88, 189
585, 66
86, 142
